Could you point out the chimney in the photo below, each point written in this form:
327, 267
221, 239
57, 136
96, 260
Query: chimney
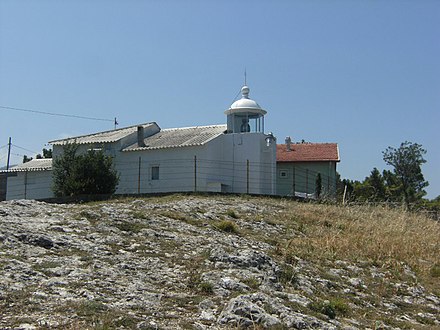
288, 143
140, 136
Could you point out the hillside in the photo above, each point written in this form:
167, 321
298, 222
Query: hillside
216, 262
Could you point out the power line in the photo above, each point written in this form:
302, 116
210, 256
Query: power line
54, 114
24, 149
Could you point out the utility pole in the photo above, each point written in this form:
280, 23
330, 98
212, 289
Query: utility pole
9, 153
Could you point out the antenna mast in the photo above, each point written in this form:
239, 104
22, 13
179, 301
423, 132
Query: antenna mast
245, 80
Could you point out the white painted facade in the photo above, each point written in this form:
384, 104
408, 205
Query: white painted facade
32, 180
30, 185
221, 165
234, 158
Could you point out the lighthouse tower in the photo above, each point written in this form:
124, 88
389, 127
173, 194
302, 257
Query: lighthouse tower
247, 150
245, 115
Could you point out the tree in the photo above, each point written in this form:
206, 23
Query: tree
26, 159
47, 153
377, 186
63, 171
344, 187
393, 189
406, 161
89, 173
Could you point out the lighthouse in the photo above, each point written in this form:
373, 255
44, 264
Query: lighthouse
245, 115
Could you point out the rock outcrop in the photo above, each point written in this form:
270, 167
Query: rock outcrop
167, 264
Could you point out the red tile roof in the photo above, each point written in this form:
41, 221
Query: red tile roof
308, 152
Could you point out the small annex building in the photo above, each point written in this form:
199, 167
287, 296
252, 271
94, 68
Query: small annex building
31, 180
234, 158
298, 166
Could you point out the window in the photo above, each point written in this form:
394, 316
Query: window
155, 173
283, 174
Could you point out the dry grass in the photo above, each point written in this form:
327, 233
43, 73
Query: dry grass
387, 238
227, 226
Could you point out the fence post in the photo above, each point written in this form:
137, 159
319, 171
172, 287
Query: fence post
307, 183
247, 176
328, 184
139, 176
195, 173
293, 180
343, 196
25, 183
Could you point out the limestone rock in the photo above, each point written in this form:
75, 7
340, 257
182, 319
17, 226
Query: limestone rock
163, 264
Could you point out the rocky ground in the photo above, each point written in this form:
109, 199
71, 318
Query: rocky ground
188, 262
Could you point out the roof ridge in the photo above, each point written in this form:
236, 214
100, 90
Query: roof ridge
190, 127
306, 143
38, 159
102, 132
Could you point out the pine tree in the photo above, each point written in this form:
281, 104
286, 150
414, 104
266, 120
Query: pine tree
377, 184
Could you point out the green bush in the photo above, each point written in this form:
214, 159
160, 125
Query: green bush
84, 174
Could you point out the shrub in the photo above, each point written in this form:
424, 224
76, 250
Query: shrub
89, 173
331, 308
206, 288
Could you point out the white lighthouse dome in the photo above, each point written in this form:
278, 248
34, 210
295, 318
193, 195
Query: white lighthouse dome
245, 104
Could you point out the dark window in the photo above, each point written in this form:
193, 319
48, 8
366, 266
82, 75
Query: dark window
155, 173
283, 174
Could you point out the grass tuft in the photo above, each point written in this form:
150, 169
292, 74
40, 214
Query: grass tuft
232, 214
227, 226
287, 275
331, 308
206, 288
435, 271
131, 227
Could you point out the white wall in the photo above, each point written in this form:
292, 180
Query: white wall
30, 185
176, 170
220, 165
235, 150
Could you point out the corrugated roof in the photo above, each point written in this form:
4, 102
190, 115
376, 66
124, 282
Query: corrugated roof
33, 165
102, 137
308, 152
180, 137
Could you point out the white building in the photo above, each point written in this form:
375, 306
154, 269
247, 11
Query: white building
235, 158
31, 180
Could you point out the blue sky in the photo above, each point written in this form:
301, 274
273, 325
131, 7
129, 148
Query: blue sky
364, 74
